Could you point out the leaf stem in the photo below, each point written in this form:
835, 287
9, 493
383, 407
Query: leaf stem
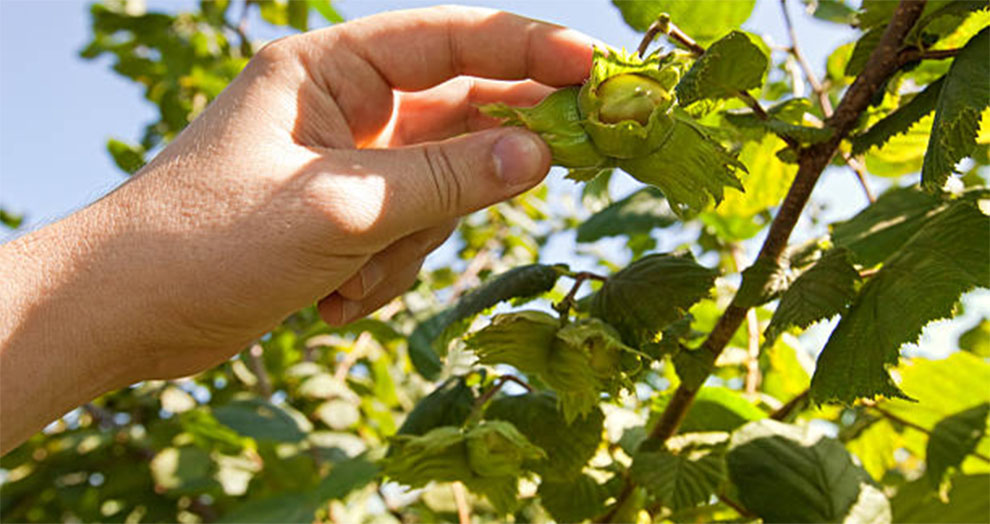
793, 405
914, 54
907, 423
496, 387
563, 308
663, 25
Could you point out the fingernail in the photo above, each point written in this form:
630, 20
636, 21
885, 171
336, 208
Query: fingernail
519, 158
349, 310
371, 276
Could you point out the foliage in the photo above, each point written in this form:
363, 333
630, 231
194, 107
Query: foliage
681, 385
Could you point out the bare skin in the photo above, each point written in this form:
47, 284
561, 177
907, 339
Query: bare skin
291, 188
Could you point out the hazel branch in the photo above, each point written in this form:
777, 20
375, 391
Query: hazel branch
882, 63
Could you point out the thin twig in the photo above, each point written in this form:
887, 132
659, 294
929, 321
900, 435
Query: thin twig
732, 504
563, 308
460, 499
907, 423
860, 170
357, 351
663, 25
821, 93
753, 334
257, 366
914, 54
795, 403
496, 386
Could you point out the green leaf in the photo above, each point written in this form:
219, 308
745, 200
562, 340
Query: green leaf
431, 336
584, 361
703, 21
715, 408
652, 292
875, 446
186, 469
968, 501
784, 473
762, 282
298, 14
287, 508
448, 405
863, 49
11, 220
344, 478
130, 159
780, 126
326, 10
766, 179
690, 168
964, 96
832, 11
522, 340
568, 445
899, 121
941, 388
881, 229
976, 339
260, 420
823, 291
301, 507
920, 283
681, 480
730, 66
575, 500
952, 439
639, 213
497, 449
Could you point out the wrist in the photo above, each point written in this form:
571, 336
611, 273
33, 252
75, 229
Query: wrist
68, 334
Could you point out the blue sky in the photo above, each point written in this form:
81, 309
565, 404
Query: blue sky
57, 111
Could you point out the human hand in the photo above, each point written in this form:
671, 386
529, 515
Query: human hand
302, 182
273, 200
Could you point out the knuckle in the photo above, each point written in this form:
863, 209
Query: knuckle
447, 185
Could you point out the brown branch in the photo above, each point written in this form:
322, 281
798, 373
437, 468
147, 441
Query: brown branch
811, 161
914, 54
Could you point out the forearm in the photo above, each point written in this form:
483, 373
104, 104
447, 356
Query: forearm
64, 331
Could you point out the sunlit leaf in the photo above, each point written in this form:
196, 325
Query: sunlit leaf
920, 283
962, 99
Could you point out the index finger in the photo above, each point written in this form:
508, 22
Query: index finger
416, 49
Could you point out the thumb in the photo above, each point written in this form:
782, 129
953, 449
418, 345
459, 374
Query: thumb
432, 183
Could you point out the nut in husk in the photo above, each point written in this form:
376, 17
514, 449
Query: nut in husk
497, 448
